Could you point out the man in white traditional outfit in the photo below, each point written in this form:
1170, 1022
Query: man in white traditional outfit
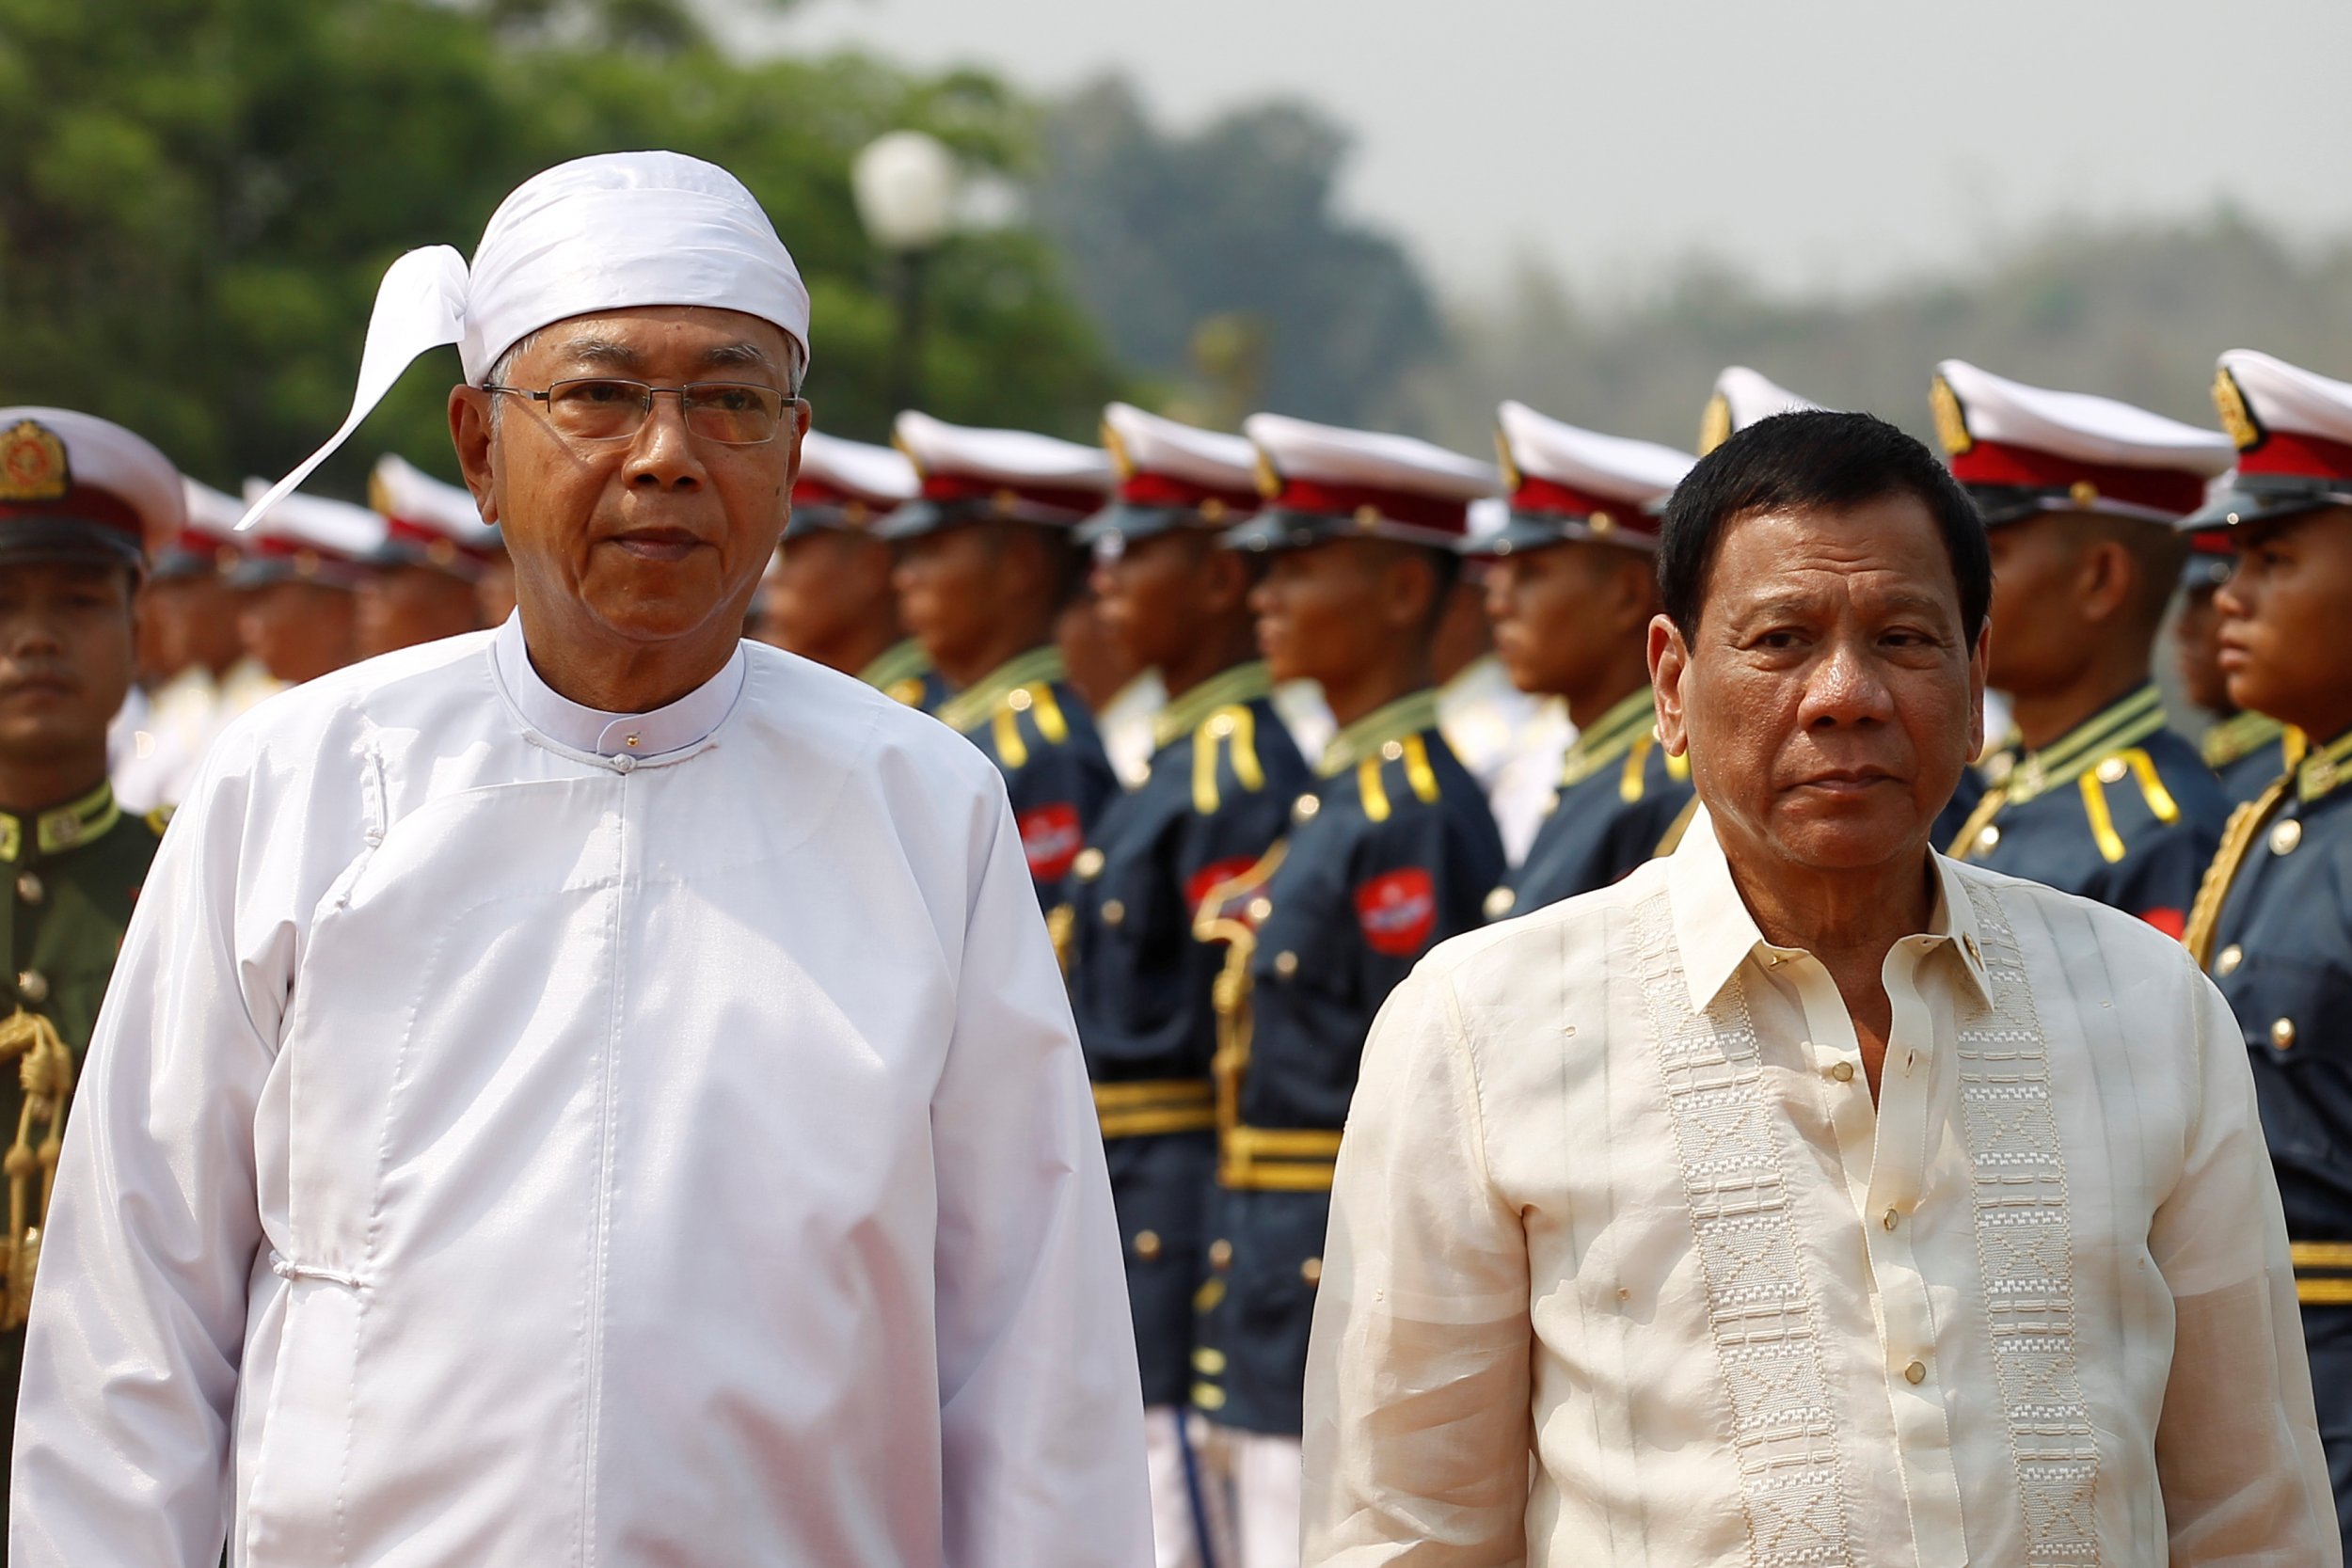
590, 1091
1806, 1198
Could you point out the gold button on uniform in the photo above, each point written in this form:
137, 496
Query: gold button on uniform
1842, 1071
1114, 912
2285, 836
1990, 838
1311, 1271
2281, 1033
1261, 908
1146, 1244
2230, 958
1220, 1254
1304, 808
2112, 771
1220, 726
33, 985
29, 889
1019, 700
1392, 750
1089, 864
1286, 964
1499, 903
1916, 1373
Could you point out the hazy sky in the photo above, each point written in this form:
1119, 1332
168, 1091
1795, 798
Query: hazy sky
1821, 143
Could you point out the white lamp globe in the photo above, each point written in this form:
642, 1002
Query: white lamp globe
904, 184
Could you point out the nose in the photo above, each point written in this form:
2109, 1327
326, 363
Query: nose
2232, 600
1498, 596
1846, 685
663, 457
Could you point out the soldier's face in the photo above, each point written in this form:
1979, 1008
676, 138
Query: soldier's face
830, 588
651, 539
1149, 595
2037, 641
950, 583
1320, 610
2282, 645
66, 658
1827, 700
399, 606
1563, 613
298, 631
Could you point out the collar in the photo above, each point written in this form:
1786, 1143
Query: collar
1611, 735
1187, 711
1716, 933
2118, 725
973, 706
2324, 771
1408, 715
686, 722
902, 660
60, 828
2241, 734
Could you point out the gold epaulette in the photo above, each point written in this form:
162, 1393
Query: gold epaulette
2323, 1273
1234, 728
1035, 700
1986, 810
2205, 915
2133, 762
1372, 786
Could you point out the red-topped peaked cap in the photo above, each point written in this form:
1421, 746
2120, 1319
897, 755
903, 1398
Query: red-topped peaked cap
1321, 482
2021, 449
1567, 483
974, 475
428, 522
2293, 429
847, 485
309, 539
76, 487
1171, 475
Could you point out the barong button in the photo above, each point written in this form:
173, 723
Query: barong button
1842, 1071
1892, 1220
2285, 836
1916, 1373
2230, 957
1220, 1254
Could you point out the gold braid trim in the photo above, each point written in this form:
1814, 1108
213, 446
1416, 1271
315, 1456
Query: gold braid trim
2205, 915
47, 1074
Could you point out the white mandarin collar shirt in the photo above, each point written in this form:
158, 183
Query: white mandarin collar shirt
492, 1152
1615, 1192
688, 721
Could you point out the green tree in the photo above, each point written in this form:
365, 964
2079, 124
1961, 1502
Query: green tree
201, 194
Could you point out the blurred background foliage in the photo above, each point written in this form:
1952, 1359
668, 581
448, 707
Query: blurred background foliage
199, 196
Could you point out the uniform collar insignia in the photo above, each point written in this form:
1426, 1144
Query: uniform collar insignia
2241, 734
2324, 771
1242, 683
1611, 735
60, 828
899, 662
968, 709
2117, 727
1406, 716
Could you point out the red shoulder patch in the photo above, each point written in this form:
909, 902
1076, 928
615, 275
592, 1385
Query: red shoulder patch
1397, 910
2172, 922
1205, 880
1050, 838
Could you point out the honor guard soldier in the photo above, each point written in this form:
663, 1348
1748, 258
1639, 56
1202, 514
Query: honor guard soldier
2246, 750
2079, 495
302, 566
424, 576
1511, 740
77, 495
827, 596
1217, 796
189, 647
986, 563
2273, 922
1394, 851
1572, 587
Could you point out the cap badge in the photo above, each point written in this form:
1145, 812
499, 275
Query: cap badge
32, 463
856, 513
1269, 483
1121, 462
1601, 522
2236, 418
1951, 421
1714, 423
1502, 460
1212, 511
2082, 493
440, 552
1367, 517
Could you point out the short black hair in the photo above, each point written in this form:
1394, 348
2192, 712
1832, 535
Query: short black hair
1819, 460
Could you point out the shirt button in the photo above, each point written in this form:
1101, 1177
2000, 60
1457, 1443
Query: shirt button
1916, 1373
1990, 838
29, 889
1311, 1271
1114, 912
1089, 864
1286, 964
1892, 1220
1220, 1254
2285, 836
2281, 1033
2230, 957
33, 985
1146, 1244
1842, 1071
630, 740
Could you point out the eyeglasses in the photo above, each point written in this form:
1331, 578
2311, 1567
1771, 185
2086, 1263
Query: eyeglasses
601, 408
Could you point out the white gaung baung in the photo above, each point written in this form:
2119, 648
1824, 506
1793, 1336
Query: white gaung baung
519, 1133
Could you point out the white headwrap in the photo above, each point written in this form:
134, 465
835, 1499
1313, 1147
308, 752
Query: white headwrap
600, 233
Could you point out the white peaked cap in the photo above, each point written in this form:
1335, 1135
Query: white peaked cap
1332, 455
858, 469
332, 528
2284, 397
2079, 425
599, 233
1152, 444
1489, 516
210, 512
100, 454
1743, 397
1012, 457
400, 489
1615, 466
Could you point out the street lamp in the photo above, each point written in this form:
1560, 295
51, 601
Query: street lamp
905, 184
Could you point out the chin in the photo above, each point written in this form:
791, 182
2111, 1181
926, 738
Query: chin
1851, 839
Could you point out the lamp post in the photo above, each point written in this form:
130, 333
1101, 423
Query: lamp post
904, 184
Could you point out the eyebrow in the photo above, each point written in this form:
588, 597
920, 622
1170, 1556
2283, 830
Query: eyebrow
606, 353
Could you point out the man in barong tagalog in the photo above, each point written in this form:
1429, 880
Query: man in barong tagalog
1806, 1196
590, 1091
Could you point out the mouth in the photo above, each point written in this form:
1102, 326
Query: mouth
657, 543
2231, 656
1848, 781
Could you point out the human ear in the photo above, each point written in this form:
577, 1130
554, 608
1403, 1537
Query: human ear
1669, 663
470, 431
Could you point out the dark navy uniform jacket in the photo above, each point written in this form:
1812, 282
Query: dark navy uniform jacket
2248, 751
1620, 795
1217, 799
2274, 926
1392, 852
2120, 809
1036, 729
